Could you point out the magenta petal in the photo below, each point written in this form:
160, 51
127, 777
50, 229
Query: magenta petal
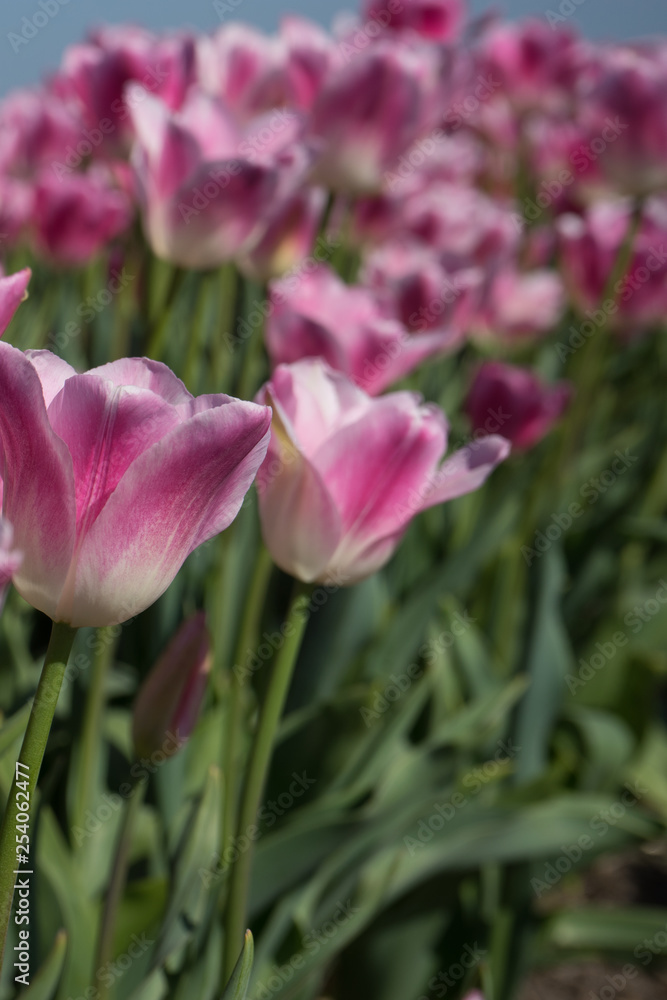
144, 373
179, 493
53, 372
38, 495
12, 293
10, 558
467, 469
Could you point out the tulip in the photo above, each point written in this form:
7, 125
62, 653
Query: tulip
112, 478
345, 473
17, 199
515, 402
168, 703
436, 20
590, 248
205, 189
310, 55
10, 558
368, 113
76, 216
36, 128
523, 305
13, 290
316, 315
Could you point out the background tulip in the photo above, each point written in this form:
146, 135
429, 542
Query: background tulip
437, 20
113, 477
517, 400
345, 473
169, 700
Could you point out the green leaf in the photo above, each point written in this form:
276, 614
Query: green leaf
237, 987
623, 929
44, 985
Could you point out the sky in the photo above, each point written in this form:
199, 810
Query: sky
24, 60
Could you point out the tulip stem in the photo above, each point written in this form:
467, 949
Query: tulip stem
27, 771
248, 635
258, 766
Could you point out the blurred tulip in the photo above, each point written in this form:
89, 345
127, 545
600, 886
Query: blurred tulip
10, 558
13, 290
113, 477
524, 305
346, 473
36, 129
244, 69
168, 703
76, 216
309, 56
436, 20
515, 402
17, 200
590, 246
368, 112
205, 190
316, 315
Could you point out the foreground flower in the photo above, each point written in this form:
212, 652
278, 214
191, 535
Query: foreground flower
169, 700
345, 326
10, 558
13, 290
346, 473
518, 403
113, 477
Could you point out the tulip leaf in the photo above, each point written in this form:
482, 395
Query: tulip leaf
44, 984
237, 987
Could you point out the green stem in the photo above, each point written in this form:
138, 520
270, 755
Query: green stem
252, 614
30, 762
121, 863
89, 750
258, 767
158, 334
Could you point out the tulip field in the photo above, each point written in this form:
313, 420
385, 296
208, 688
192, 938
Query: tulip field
333, 484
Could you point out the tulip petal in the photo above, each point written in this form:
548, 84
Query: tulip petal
12, 293
144, 373
178, 493
38, 495
467, 469
53, 372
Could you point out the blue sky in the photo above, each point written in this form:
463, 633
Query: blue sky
22, 64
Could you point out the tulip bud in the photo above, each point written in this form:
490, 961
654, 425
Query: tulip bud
514, 402
168, 703
10, 558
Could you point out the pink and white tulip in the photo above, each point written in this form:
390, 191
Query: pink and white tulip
112, 478
522, 305
346, 473
316, 315
516, 402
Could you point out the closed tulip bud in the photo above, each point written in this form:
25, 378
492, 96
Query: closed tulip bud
10, 558
112, 478
515, 403
346, 473
168, 703
13, 290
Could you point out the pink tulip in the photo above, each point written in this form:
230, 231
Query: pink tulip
113, 477
13, 290
590, 246
289, 234
626, 108
206, 189
310, 55
523, 305
10, 558
516, 402
316, 315
17, 200
75, 217
36, 129
346, 473
167, 706
244, 69
436, 20
368, 113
